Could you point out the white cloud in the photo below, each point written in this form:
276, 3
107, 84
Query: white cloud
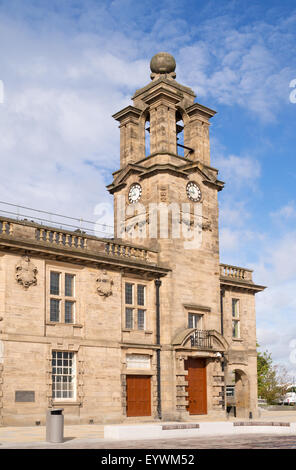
238, 170
280, 345
234, 213
249, 66
276, 306
286, 212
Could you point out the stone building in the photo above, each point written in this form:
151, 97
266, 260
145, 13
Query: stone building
148, 324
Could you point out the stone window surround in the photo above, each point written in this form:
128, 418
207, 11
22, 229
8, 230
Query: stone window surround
70, 356
196, 310
135, 307
62, 270
235, 317
193, 316
79, 367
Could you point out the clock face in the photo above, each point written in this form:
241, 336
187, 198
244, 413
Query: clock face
193, 191
134, 193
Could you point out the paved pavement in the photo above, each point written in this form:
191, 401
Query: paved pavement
12, 435
254, 441
92, 437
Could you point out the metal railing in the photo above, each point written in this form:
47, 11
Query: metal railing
55, 220
201, 339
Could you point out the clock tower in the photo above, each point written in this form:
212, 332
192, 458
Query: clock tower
165, 198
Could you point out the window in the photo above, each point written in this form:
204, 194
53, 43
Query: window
235, 319
63, 375
129, 293
54, 310
147, 135
195, 321
235, 329
129, 318
62, 301
141, 294
180, 134
235, 307
230, 390
54, 283
141, 319
69, 311
135, 311
69, 285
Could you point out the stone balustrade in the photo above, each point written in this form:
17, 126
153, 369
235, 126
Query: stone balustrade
235, 272
29, 230
117, 249
61, 238
6, 228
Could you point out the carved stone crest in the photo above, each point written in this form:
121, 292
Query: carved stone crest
26, 272
104, 284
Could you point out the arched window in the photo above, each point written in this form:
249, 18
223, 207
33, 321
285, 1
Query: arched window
147, 135
180, 134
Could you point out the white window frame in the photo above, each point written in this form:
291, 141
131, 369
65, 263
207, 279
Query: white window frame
195, 316
73, 375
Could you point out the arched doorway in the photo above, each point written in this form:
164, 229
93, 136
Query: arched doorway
241, 393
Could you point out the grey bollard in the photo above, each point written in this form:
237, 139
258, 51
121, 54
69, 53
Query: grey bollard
55, 425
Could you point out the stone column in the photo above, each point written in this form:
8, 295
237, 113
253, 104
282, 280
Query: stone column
163, 136
196, 136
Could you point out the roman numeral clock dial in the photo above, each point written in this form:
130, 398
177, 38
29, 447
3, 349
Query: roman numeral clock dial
193, 191
134, 194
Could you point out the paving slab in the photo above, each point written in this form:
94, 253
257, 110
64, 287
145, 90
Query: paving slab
272, 422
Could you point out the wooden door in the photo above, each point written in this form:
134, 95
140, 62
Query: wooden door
138, 395
197, 386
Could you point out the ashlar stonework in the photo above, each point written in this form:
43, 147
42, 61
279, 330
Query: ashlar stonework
132, 328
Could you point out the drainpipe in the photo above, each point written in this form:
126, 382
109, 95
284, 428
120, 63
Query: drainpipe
221, 304
157, 305
222, 293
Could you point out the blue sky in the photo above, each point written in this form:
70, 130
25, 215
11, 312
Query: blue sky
67, 66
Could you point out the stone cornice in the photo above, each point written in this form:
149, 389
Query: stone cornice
162, 94
241, 284
197, 109
68, 255
128, 112
171, 83
182, 171
197, 307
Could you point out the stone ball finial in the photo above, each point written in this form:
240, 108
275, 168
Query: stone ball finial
163, 62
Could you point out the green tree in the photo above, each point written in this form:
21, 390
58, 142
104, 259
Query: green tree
273, 380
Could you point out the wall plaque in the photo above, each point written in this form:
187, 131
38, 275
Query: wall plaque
25, 396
